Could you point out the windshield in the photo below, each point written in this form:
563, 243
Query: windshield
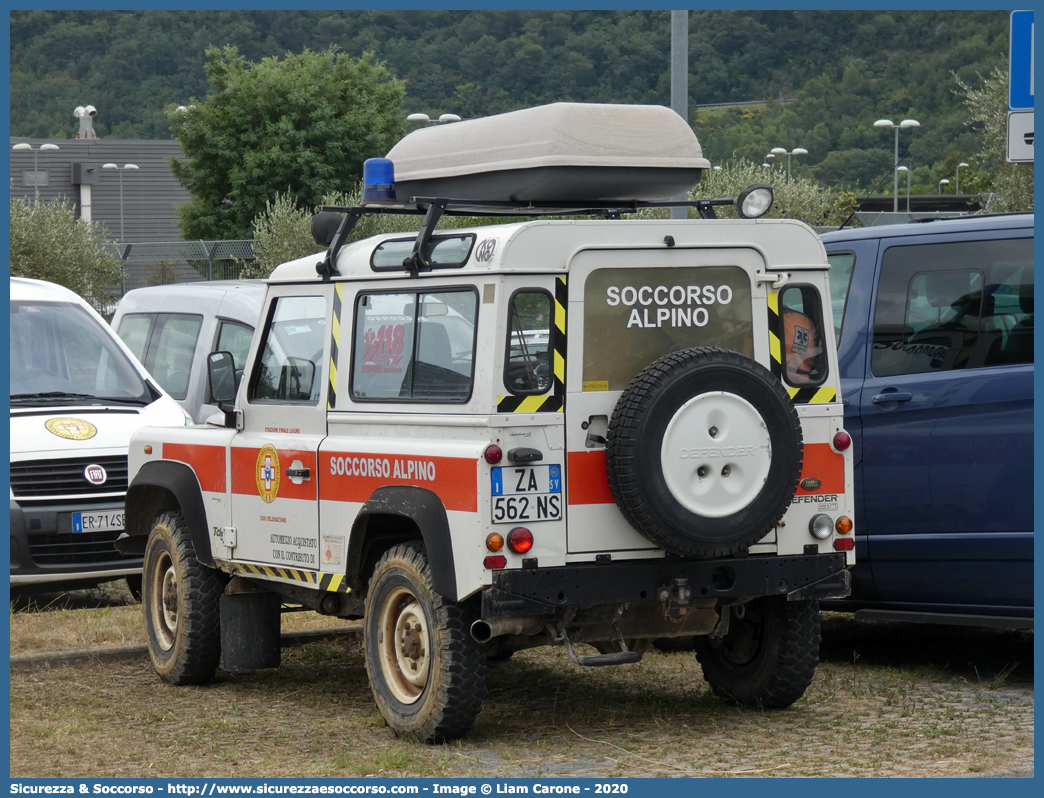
60, 354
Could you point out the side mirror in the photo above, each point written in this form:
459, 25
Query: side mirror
221, 369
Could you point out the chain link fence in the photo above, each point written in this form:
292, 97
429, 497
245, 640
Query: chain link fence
168, 262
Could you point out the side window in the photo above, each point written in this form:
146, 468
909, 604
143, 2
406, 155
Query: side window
414, 346
235, 339
801, 320
528, 366
291, 364
961, 305
134, 331
171, 350
841, 267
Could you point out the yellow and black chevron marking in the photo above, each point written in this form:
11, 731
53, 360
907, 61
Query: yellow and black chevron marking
331, 583
335, 334
555, 401
775, 346
812, 396
799, 396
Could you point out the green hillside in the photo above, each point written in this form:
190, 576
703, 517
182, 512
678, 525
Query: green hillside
842, 70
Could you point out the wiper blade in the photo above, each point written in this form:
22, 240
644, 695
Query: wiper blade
22, 397
53, 396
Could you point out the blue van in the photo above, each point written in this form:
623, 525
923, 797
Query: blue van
934, 322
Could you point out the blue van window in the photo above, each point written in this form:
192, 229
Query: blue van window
951, 306
841, 268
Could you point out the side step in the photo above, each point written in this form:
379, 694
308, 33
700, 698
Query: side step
624, 657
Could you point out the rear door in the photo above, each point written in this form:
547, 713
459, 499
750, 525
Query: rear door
946, 412
626, 310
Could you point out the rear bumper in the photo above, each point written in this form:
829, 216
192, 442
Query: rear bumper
543, 591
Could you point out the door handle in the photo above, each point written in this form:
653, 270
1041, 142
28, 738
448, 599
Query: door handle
892, 396
299, 473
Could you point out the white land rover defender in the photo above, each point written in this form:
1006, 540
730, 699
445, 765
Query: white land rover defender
600, 430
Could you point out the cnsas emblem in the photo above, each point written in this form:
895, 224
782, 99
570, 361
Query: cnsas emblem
810, 483
267, 473
73, 429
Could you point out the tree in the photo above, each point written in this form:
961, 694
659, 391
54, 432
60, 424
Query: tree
48, 243
301, 126
799, 199
987, 106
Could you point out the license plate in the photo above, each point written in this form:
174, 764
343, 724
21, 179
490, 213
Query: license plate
527, 493
97, 522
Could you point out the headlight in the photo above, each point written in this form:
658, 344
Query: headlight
754, 201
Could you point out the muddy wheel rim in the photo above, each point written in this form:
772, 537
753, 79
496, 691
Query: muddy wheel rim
405, 645
164, 601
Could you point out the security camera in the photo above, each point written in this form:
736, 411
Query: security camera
91, 110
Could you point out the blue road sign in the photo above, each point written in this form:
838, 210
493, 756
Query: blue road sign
1020, 61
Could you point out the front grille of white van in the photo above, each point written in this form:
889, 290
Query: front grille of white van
52, 481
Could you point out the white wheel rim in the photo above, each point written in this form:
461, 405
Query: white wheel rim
716, 454
163, 600
405, 645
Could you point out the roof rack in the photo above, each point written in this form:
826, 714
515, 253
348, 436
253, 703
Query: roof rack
332, 225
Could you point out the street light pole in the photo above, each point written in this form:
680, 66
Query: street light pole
957, 188
795, 151
888, 123
23, 147
943, 182
121, 170
908, 171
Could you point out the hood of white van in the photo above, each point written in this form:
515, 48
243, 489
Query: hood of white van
77, 430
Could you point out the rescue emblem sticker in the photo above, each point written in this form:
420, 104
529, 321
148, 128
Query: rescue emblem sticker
266, 472
73, 429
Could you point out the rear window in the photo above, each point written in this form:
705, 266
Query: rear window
635, 316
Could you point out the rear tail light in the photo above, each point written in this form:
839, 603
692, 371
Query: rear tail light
842, 440
495, 561
493, 454
494, 541
844, 544
520, 540
844, 525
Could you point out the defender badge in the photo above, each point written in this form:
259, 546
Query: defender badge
73, 429
266, 472
810, 483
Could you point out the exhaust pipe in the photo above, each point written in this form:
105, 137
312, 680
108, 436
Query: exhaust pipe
484, 631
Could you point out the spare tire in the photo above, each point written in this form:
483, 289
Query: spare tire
704, 452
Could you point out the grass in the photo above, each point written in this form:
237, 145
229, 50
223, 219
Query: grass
912, 703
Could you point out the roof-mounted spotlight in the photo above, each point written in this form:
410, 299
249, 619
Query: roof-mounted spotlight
754, 201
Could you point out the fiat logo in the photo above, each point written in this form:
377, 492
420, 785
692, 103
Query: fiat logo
95, 474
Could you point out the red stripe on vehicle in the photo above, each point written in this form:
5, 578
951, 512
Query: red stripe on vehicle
826, 465
208, 463
586, 478
354, 476
244, 473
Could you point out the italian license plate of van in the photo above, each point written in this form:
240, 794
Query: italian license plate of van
97, 522
527, 493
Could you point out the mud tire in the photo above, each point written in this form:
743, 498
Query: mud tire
768, 658
428, 684
181, 598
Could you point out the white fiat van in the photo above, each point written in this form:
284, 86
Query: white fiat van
77, 394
